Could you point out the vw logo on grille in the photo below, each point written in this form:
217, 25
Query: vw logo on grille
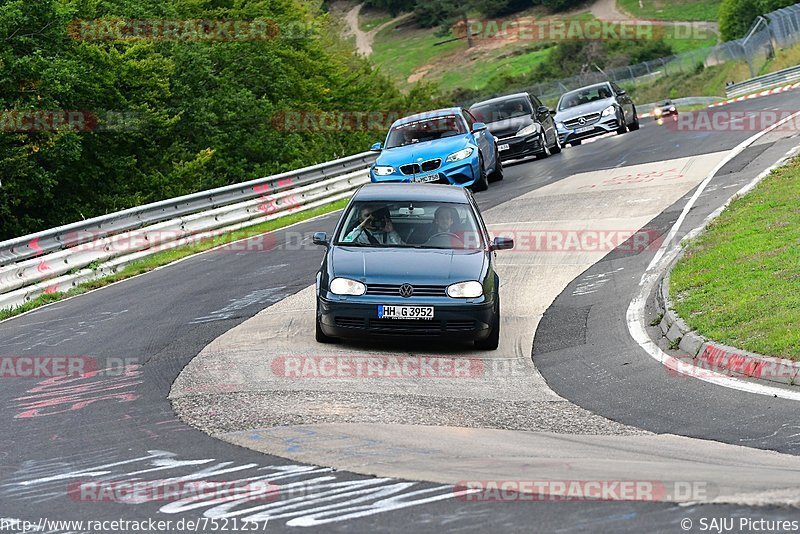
406, 290
582, 121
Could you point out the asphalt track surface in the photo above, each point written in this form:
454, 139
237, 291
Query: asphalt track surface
119, 426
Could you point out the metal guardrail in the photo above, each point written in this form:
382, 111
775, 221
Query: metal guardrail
29, 246
774, 79
61, 258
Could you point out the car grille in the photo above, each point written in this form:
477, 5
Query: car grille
403, 326
393, 290
425, 166
350, 322
460, 326
588, 120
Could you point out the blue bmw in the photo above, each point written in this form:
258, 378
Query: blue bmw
412, 261
446, 146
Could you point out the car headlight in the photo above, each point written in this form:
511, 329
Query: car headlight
610, 110
561, 126
657, 111
465, 290
345, 286
383, 170
528, 130
461, 154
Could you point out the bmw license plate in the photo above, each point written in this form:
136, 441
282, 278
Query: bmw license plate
584, 129
502, 147
428, 178
405, 312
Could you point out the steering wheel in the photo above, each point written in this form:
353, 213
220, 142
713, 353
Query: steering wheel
449, 234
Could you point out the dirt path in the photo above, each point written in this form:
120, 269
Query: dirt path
364, 39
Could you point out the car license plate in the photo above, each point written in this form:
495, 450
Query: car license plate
405, 312
584, 129
428, 178
502, 147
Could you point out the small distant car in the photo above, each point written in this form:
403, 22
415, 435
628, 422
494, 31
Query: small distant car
413, 261
445, 146
665, 109
522, 125
594, 110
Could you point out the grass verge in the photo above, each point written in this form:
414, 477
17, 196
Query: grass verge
166, 257
739, 282
689, 10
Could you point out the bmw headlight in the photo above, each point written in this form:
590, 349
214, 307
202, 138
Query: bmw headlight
610, 110
345, 286
461, 154
383, 170
527, 130
465, 290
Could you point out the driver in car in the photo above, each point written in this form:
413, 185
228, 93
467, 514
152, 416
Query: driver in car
375, 228
444, 225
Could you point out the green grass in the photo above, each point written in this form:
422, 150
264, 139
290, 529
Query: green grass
739, 282
165, 257
687, 10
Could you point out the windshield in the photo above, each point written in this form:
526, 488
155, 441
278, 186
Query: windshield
425, 130
500, 111
435, 225
584, 96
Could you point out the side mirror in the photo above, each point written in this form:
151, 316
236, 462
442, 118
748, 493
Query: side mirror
502, 243
622, 92
320, 238
553, 112
478, 127
542, 110
376, 147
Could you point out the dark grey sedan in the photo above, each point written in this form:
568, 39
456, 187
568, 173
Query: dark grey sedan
410, 260
594, 110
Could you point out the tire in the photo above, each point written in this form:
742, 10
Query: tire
321, 336
497, 173
546, 150
482, 183
635, 125
575, 143
493, 341
623, 128
557, 146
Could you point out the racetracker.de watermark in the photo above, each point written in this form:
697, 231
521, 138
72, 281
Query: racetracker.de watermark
57, 366
715, 361
59, 120
187, 30
141, 491
712, 120
573, 29
582, 490
377, 367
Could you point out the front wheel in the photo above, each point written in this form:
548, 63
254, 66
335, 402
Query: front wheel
556, 146
497, 173
575, 143
635, 124
545, 149
482, 183
321, 336
493, 341
623, 126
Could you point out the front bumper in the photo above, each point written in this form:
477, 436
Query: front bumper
463, 173
601, 127
358, 317
520, 146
